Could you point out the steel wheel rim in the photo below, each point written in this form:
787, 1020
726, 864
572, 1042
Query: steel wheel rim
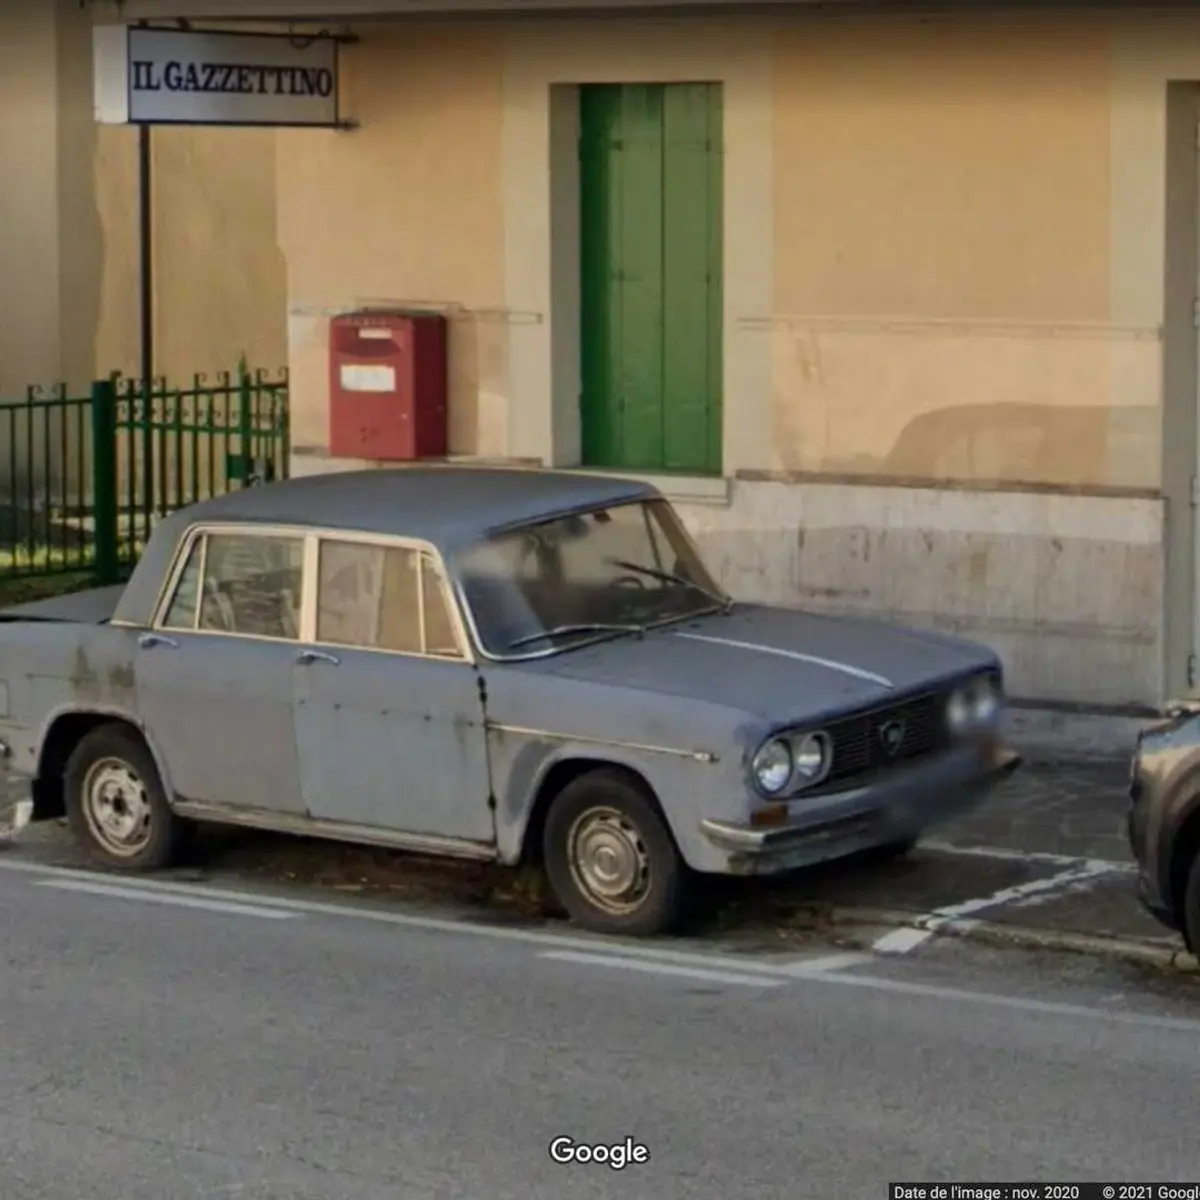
116, 807
609, 861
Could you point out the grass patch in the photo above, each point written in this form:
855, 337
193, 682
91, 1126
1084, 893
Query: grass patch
41, 560
29, 573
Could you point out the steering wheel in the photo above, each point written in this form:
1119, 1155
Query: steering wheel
629, 581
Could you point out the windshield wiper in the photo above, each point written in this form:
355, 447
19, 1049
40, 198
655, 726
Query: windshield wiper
725, 602
562, 630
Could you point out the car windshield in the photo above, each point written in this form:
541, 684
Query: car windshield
604, 573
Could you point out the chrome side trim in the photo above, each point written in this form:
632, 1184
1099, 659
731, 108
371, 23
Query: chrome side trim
795, 655
336, 831
700, 756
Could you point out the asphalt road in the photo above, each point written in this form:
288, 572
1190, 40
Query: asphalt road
164, 1042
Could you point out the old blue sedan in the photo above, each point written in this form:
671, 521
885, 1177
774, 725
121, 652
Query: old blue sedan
491, 663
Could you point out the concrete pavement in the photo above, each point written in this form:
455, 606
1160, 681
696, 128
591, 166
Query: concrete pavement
172, 1041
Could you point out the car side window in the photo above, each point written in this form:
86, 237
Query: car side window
252, 585
181, 612
382, 598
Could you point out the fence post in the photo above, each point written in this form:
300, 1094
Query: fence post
246, 422
104, 479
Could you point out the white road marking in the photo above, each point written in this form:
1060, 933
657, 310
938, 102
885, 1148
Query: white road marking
532, 937
827, 962
143, 887
1004, 854
625, 963
901, 941
830, 664
180, 901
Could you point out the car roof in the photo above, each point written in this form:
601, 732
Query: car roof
449, 506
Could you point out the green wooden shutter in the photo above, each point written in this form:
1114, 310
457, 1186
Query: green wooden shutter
650, 276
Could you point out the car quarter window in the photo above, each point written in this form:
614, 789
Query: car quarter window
382, 598
251, 586
181, 612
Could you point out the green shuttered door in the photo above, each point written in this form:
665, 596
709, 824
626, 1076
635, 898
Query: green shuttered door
650, 191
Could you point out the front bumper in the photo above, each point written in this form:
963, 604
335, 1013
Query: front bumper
891, 808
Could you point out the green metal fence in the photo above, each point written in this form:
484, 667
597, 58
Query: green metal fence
85, 477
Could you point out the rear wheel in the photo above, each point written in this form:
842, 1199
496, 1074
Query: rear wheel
116, 804
611, 859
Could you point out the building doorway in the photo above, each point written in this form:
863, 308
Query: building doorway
651, 268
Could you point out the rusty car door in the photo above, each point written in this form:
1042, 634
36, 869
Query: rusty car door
389, 716
214, 674
394, 743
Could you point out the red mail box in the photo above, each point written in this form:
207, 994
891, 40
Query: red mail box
387, 386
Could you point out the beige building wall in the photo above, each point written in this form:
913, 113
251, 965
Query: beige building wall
943, 257
404, 212
220, 279
942, 330
69, 272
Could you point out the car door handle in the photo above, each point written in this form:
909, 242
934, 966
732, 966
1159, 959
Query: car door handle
311, 656
149, 640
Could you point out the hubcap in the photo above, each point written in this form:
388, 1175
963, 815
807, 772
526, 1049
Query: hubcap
609, 861
116, 807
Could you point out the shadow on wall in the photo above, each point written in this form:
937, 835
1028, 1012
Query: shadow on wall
1023, 443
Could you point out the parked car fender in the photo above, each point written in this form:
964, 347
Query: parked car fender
62, 731
540, 767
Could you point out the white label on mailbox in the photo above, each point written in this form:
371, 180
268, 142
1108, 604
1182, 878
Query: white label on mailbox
358, 378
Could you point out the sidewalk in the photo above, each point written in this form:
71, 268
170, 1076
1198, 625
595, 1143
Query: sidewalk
1073, 807
1053, 735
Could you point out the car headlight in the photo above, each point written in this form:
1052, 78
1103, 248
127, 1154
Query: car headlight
974, 705
985, 700
772, 766
811, 756
958, 710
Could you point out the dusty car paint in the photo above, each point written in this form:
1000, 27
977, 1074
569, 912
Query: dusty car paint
453, 755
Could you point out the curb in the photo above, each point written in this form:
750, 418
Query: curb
1132, 950
1045, 733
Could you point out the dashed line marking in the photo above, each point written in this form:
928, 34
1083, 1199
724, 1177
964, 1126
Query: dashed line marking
650, 967
142, 896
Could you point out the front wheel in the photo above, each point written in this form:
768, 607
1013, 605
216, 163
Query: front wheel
116, 804
611, 859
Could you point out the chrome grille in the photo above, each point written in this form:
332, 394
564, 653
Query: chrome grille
860, 743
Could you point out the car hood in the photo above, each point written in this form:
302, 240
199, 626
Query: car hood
777, 664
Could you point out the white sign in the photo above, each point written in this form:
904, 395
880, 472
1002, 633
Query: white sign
358, 377
185, 77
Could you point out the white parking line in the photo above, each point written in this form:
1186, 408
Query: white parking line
1004, 854
143, 888
180, 901
901, 941
661, 968
794, 972
826, 962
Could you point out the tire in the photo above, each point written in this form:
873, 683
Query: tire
610, 813
1189, 918
116, 804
